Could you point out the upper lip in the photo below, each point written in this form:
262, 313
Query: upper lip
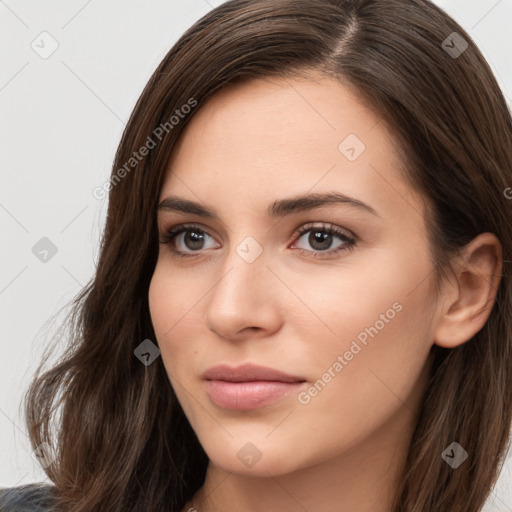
247, 373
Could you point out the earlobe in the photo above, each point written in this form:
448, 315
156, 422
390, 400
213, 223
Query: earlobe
467, 303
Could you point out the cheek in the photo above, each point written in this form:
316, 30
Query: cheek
160, 301
171, 305
174, 310
337, 304
165, 309
169, 299
370, 361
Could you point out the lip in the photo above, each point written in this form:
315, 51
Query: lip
248, 372
248, 386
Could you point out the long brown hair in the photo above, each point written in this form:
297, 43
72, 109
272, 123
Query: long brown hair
121, 440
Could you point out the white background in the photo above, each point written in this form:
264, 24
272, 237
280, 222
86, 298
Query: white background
61, 120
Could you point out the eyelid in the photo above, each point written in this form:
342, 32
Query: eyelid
298, 231
327, 226
170, 233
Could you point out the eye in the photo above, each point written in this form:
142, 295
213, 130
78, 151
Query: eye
190, 236
188, 240
321, 239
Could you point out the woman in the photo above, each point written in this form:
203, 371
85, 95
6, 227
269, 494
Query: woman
301, 301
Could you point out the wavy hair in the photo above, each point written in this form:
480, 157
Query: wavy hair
119, 435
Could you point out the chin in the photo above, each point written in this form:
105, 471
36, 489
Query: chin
262, 468
255, 458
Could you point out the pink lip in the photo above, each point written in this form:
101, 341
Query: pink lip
248, 386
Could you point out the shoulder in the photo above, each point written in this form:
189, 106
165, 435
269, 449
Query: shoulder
36, 497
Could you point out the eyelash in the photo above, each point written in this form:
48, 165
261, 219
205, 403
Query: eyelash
330, 229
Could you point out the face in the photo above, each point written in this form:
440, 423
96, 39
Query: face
333, 293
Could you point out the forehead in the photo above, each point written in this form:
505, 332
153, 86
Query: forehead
275, 137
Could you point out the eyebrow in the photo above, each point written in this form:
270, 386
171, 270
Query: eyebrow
278, 208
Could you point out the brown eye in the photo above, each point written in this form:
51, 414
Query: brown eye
321, 239
187, 239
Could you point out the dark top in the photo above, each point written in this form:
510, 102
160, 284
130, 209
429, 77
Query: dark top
36, 497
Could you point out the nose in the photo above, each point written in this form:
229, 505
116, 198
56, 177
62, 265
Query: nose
245, 299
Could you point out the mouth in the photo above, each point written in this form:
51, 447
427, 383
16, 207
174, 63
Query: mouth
248, 386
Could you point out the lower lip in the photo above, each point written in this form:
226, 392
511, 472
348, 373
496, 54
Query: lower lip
243, 396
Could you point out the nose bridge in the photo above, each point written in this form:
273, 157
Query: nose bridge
244, 266
241, 296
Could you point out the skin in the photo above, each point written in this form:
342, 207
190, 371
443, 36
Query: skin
254, 143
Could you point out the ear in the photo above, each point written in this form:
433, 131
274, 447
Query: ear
468, 301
